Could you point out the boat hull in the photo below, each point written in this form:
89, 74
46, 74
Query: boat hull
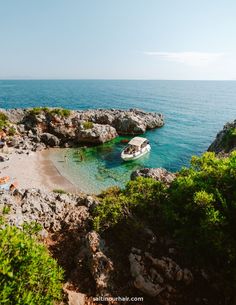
137, 155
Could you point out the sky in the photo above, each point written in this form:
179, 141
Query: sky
118, 39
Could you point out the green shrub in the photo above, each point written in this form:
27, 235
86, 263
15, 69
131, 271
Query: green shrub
28, 275
57, 111
229, 139
11, 131
59, 191
200, 206
61, 112
141, 197
198, 209
88, 125
36, 110
3, 120
6, 209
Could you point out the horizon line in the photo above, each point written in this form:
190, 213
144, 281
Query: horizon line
111, 79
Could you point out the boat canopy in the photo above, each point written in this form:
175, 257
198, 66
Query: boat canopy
137, 141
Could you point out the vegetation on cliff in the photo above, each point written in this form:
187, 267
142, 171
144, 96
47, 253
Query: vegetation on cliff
197, 209
3, 120
54, 111
28, 275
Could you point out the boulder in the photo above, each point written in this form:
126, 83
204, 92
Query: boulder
97, 134
50, 140
159, 174
158, 277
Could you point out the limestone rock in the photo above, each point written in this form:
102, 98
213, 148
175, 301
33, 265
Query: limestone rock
225, 140
159, 174
158, 277
50, 139
97, 134
101, 266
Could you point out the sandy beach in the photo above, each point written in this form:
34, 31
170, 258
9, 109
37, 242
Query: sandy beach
35, 170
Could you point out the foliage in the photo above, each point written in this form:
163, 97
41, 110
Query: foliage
11, 131
38, 110
6, 209
28, 275
201, 204
198, 209
59, 191
141, 197
56, 111
61, 112
87, 125
3, 120
229, 139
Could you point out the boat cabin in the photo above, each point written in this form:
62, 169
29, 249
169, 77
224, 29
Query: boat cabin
135, 145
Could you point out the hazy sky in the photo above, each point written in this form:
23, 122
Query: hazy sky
118, 39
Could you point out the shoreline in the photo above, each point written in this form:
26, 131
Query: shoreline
35, 170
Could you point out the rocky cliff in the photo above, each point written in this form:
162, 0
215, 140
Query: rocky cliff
225, 140
37, 128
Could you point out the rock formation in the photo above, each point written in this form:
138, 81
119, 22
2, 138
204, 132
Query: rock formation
158, 277
33, 129
225, 140
159, 174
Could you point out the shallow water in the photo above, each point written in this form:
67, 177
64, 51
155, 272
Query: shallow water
194, 111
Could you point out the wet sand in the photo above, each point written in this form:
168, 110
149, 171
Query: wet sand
35, 170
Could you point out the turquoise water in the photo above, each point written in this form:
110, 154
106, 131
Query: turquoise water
194, 111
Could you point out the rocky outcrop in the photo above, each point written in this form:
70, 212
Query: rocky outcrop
159, 278
97, 134
54, 127
225, 141
159, 174
101, 266
53, 211
130, 122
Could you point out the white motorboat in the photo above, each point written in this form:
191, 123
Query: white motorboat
136, 148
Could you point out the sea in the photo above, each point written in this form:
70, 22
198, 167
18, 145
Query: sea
194, 112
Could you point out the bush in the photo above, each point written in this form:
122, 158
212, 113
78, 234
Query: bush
36, 110
11, 131
28, 275
57, 111
3, 120
200, 207
61, 112
59, 191
229, 140
88, 125
141, 197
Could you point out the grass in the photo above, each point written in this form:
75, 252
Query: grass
88, 125
57, 111
59, 191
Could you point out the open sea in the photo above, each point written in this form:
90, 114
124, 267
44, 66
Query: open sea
194, 112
